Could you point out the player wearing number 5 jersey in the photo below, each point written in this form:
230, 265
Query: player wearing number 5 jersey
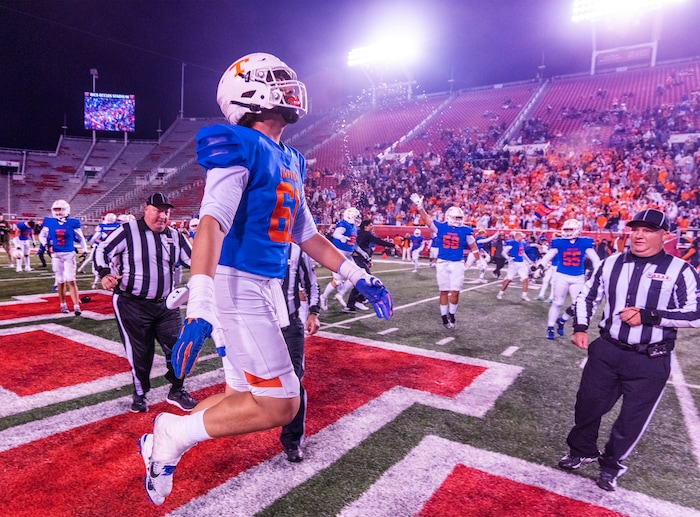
571, 250
62, 233
253, 207
453, 238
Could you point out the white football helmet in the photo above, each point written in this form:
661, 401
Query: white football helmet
454, 216
122, 218
570, 229
110, 218
353, 216
261, 81
60, 209
416, 232
194, 223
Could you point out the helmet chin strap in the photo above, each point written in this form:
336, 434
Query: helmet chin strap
290, 115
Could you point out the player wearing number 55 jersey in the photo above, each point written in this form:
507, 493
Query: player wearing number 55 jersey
453, 238
253, 207
569, 277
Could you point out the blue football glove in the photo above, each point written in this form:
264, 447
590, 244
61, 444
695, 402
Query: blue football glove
371, 288
189, 343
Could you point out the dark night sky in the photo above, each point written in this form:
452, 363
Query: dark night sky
138, 47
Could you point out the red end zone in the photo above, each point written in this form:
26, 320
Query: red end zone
46, 305
94, 467
50, 362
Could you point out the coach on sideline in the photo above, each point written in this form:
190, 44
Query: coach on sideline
649, 294
147, 250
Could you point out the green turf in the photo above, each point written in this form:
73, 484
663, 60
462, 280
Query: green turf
530, 420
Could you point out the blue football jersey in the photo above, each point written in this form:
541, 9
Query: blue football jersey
25, 232
416, 242
517, 250
62, 235
261, 231
350, 232
452, 241
104, 229
571, 254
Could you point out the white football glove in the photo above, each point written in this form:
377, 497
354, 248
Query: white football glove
418, 200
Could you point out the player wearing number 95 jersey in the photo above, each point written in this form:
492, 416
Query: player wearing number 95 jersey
253, 207
570, 274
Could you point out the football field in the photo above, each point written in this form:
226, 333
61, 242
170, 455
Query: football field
405, 417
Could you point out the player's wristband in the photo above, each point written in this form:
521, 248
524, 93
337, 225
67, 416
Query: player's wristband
201, 301
351, 271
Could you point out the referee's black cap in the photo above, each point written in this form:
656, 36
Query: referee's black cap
159, 199
651, 218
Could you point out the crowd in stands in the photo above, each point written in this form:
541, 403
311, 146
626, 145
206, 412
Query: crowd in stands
600, 186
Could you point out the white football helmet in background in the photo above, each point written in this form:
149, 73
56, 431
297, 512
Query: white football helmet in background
570, 229
416, 232
194, 223
454, 216
110, 218
261, 81
352, 215
60, 209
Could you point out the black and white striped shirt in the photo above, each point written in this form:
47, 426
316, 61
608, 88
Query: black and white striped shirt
661, 283
300, 275
146, 259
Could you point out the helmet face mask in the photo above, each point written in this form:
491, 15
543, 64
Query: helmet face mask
454, 216
258, 82
353, 216
60, 209
570, 229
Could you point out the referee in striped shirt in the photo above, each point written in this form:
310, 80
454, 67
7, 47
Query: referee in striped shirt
146, 251
649, 294
300, 277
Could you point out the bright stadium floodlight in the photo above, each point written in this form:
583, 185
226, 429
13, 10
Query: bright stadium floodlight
595, 9
398, 49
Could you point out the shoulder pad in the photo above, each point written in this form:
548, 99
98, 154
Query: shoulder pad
224, 146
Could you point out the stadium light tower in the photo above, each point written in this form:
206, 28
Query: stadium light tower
391, 51
93, 73
594, 10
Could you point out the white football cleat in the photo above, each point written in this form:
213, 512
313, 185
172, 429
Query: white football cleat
323, 302
340, 299
361, 306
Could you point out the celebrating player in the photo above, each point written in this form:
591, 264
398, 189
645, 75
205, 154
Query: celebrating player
253, 207
62, 232
416, 247
345, 239
453, 238
570, 274
518, 264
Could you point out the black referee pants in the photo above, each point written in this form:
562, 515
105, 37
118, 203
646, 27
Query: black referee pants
293, 432
140, 323
611, 373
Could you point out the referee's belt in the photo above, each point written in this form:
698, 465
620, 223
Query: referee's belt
641, 348
129, 295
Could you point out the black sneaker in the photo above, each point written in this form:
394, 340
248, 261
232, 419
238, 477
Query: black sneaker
139, 404
607, 481
181, 399
294, 454
349, 309
451, 318
569, 462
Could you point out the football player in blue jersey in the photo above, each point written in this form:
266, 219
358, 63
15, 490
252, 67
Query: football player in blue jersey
23, 241
64, 233
416, 247
481, 240
345, 239
434, 249
453, 238
518, 264
569, 277
253, 207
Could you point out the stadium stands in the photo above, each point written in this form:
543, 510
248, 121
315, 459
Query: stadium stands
446, 145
